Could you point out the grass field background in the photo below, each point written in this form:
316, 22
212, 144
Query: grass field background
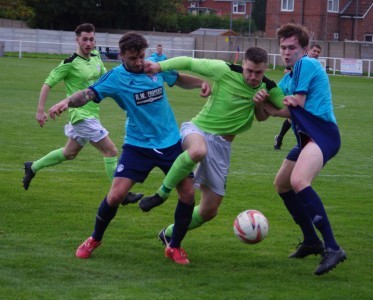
41, 228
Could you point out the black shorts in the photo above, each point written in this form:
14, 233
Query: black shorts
136, 163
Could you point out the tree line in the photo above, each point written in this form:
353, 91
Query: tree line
147, 15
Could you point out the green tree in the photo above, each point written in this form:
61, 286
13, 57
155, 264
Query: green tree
259, 14
15, 10
117, 14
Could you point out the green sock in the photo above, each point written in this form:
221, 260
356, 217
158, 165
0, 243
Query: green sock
196, 222
52, 158
180, 169
110, 166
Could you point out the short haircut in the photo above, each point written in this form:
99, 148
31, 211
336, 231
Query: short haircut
132, 41
256, 55
86, 27
315, 45
297, 30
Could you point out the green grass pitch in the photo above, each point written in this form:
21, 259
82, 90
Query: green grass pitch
41, 228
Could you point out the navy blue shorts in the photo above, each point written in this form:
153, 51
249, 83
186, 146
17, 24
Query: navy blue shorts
136, 163
306, 127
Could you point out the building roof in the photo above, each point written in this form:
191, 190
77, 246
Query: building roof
214, 32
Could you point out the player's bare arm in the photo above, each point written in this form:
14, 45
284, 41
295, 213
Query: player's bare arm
77, 99
186, 81
260, 99
41, 116
275, 112
260, 113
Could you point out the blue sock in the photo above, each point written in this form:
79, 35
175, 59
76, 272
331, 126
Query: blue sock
104, 215
316, 211
183, 216
298, 211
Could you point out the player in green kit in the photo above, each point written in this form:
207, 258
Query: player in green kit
207, 138
78, 72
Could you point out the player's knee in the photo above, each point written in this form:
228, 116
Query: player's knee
115, 199
298, 183
111, 152
70, 155
186, 195
198, 153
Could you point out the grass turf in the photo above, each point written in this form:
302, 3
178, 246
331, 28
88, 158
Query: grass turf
41, 228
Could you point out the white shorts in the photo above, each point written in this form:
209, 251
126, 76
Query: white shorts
85, 131
213, 170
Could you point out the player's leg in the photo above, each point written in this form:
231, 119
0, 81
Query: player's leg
106, 212
106, 147
109, 152
286, 125
69, 152
182, 218
202, 213
210, 176
309, 164
195, 150
311, 243
124, 178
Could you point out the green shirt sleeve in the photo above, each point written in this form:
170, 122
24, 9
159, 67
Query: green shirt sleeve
211, 68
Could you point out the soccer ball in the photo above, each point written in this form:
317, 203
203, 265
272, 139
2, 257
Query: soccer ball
251, 226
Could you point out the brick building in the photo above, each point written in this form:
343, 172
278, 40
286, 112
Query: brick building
234, 9
328, 20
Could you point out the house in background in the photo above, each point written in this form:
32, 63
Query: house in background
214, 32
328, 20
227, 8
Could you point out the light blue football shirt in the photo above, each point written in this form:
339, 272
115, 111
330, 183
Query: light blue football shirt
150, 120
309, 77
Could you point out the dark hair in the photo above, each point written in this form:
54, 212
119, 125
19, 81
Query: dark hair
132, 41
297, 30
86, 27
256, 55
313, 45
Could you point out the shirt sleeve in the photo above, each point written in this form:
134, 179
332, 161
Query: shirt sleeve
213, 69
58, 74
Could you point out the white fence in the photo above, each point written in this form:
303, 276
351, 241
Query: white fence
333, 64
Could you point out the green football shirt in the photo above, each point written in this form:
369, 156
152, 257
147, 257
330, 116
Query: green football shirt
230, 108
79, 73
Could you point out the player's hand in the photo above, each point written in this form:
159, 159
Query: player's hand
41, 117
290, 101
260, 97
205, 89
151, 67
58, 109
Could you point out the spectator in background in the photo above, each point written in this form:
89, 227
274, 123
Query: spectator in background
158, 54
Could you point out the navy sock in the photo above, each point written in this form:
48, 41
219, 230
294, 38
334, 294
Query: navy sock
298, 211
104, 215
316, 211
183, 216
286, 125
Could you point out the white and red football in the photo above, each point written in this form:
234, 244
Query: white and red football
251, 226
